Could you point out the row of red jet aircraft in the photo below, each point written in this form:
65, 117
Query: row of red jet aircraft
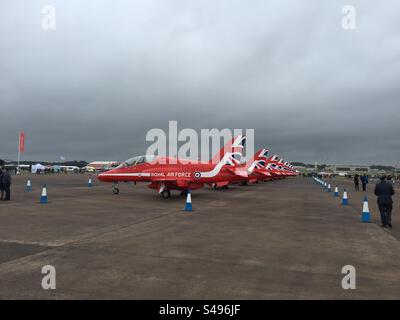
166, 173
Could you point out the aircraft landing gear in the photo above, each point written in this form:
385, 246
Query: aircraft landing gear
166, 194
220, 188
115, 189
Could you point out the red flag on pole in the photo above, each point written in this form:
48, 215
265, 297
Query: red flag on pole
22, 141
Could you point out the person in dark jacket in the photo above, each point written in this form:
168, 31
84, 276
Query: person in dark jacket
356, 182
1, 185
384, 191
364, 182
6, 181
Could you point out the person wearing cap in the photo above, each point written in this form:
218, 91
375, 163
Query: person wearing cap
384, 191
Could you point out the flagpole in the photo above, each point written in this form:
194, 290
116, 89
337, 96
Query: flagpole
19, 151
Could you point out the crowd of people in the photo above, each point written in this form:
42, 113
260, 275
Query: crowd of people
364, 181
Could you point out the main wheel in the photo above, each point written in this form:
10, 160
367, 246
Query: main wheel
115, 190
166, 194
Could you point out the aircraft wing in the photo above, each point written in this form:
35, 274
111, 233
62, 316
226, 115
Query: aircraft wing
222, 183
180, 183
265, 173
242, 172
253, 180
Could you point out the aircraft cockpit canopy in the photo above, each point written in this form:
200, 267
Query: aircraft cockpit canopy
136, 160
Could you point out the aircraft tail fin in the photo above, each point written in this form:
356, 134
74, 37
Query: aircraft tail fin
232, 153
258, 161
234, 146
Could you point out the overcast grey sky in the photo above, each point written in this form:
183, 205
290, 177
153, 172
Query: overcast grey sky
112, 70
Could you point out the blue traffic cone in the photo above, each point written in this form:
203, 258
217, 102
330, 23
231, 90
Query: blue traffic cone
188, 206
28, 185
345, 200
43, 197
365, 216
336, 193
89, 184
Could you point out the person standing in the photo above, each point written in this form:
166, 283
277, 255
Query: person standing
364, 182
6, 181
1, 185
356, 182
384, 191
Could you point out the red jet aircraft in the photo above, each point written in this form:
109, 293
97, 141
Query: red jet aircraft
245, 173
166, 173
258, 171
280, 169
260, 168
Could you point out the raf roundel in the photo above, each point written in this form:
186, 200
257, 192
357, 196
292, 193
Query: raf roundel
197, 175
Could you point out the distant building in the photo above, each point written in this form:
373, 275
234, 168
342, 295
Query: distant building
304, 169
13, 166
348, 169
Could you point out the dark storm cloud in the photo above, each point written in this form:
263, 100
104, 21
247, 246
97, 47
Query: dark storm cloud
112, 70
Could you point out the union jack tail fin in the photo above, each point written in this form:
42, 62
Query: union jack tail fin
231, 152
258, 161
234, 147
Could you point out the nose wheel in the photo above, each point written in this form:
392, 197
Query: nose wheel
166, 194
115, 189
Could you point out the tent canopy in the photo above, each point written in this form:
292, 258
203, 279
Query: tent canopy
56, 168
37, 167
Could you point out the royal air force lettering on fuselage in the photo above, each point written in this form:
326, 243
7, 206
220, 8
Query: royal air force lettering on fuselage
171, 174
